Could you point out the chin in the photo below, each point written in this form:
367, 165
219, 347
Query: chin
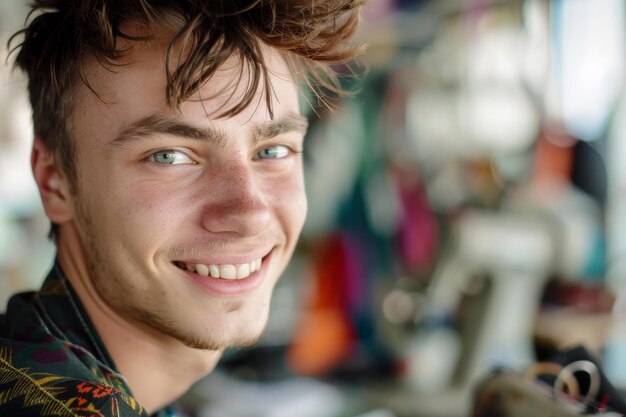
232, 329
220, 342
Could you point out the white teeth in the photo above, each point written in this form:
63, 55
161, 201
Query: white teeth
202, 270
243, 271
226, 271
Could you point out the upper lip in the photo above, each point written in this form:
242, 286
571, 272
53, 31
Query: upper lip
241, 258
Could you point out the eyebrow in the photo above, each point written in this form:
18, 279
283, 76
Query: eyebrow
291, 122
162, 124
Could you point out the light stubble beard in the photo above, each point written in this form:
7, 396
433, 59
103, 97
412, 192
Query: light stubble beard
195, 341
149, 315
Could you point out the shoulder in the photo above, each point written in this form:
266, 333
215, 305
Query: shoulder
47, 364
24, 392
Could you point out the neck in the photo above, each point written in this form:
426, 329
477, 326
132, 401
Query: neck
157, 368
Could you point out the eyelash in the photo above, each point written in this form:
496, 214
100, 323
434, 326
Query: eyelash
288, 151
152, 156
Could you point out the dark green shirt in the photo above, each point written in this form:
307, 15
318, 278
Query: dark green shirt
52, 362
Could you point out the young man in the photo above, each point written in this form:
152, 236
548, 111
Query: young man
167, 154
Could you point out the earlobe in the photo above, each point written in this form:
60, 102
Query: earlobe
52, 183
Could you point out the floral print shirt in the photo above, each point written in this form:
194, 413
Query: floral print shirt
52, 362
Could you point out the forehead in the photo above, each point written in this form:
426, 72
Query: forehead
137, 87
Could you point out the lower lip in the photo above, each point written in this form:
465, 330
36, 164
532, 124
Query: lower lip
230, 287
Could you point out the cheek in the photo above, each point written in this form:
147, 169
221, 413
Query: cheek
141, 215
153, 206
291, 204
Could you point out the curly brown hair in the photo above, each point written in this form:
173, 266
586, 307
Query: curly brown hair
62, 34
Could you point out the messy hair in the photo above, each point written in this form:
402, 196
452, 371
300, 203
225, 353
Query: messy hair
62, 34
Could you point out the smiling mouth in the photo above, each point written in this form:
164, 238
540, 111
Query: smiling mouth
223, 271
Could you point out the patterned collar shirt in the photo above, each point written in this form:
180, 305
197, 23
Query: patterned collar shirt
53, 363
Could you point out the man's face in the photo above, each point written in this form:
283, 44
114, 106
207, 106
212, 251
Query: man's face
163, 199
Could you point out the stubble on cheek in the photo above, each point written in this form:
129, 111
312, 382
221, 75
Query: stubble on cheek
91, 239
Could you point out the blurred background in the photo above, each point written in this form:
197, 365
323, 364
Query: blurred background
467, 214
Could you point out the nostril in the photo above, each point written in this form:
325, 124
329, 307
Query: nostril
242, 216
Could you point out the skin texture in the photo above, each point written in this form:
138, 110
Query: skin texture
130, 219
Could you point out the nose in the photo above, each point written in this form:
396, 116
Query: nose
236, 203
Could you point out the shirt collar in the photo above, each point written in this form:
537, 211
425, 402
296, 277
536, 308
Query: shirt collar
64, 315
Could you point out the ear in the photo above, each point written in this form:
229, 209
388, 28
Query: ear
53, 184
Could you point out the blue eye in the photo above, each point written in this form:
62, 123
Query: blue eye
273, 152
170, 158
